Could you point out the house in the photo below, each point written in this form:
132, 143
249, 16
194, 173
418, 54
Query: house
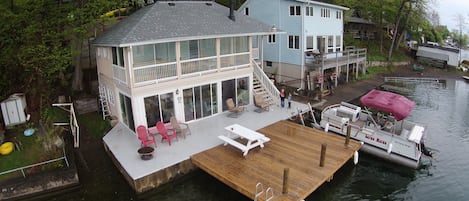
359, 28
181, 58
314, 36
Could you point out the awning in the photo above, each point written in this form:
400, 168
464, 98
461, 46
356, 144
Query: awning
398, 105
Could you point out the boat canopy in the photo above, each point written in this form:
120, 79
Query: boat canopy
398, 105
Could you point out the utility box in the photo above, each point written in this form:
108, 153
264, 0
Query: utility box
13, 109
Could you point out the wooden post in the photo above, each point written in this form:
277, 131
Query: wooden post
323, 155
347, 138
285, 180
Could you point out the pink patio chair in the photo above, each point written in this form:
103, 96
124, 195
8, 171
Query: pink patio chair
144, 136
164, 132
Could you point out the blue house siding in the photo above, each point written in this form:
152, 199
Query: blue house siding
293, 26
277, 13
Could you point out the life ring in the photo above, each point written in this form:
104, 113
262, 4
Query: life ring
6, 148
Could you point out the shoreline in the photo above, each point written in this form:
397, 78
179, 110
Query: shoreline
352, 90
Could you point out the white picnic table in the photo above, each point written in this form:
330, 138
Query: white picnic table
253, 138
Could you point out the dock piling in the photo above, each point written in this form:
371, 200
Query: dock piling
347, 138
285, 180
323, 155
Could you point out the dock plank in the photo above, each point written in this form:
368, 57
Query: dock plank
291, 146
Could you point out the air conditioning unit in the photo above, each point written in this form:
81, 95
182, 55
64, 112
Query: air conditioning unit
13, 110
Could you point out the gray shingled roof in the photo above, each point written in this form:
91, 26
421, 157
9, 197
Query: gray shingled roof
161, 22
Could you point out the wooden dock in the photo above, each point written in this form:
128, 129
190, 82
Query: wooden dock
292, 146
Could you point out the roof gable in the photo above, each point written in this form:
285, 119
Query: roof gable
162, 22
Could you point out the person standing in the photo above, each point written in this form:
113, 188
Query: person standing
289, 100
282, 98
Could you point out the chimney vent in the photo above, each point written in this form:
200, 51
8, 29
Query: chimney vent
232, 5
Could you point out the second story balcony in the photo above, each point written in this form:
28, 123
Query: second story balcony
316, 60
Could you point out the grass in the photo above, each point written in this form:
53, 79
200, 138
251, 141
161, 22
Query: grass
375, 70
33, 150
93, 124
374, 50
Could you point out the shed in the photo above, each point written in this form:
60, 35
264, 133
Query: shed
13, 109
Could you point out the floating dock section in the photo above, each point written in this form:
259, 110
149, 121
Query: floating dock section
289, 164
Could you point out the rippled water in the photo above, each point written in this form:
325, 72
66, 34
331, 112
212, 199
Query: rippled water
443, 109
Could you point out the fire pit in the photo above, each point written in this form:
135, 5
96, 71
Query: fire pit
146, 153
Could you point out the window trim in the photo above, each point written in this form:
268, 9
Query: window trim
294, 10
271, 39
293, 42
309, 11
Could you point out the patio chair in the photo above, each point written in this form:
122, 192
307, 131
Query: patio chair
260, 103
164, 132
235, 110
180, 127
144, 136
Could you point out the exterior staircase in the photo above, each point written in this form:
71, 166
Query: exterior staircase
262, 85
259, 89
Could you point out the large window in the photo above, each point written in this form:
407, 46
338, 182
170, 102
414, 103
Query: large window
293, 42
295, 10
338, 43
234, 45
154, 54
118, 56
159, 108
194, 49
330, 43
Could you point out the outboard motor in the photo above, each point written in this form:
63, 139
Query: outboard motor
425, 151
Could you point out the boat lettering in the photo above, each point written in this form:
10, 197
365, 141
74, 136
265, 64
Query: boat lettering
381, 141
375, 139
369, 137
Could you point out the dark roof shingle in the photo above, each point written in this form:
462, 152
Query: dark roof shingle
161, 22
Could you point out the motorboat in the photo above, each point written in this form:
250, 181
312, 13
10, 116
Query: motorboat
380, 125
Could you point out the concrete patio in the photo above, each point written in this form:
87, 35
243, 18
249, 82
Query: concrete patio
123, 144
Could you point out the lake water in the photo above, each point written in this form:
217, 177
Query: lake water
443, 109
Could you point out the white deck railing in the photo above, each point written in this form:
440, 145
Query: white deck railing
266, 82
232, 60
155, 72
198, 65
119, 73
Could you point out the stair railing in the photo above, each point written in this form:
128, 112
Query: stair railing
266, 82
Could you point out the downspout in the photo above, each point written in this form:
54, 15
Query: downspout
279, 67
302, 49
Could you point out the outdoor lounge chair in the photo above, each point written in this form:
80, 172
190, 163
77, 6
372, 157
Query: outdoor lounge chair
164, 132
260, 103
180, 127
144, 136
235, 110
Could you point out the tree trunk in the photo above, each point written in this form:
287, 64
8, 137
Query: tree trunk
396, 26
77, 84
403, 30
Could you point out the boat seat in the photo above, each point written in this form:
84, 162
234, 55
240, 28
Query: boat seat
352, 114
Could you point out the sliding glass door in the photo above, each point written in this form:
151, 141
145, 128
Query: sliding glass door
200, 101
159, 108
126, 111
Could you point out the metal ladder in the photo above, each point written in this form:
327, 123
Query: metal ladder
260, 191
103, 101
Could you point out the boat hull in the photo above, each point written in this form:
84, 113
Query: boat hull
392, 157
